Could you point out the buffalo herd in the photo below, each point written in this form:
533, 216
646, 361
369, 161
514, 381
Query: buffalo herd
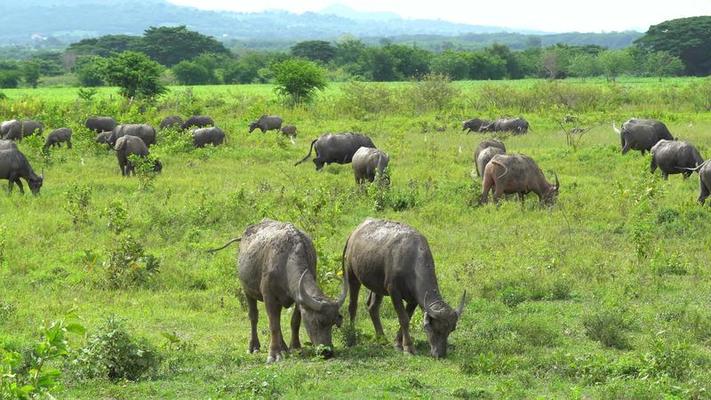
276, 261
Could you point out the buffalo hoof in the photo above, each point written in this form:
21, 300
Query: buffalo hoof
254, 347
275, 358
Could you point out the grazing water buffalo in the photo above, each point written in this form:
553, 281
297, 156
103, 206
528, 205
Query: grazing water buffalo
641, 134
474, 125
103, 138
674, 157
13, 166
31, 127
516, 173
171, 122
336, 148
7, 145
367, 162
266, 123
203, 136
482, 145
57, 137
132, 145
485, 156
517, 126
289, 131
393, 259
11, 130
198, 121
100, 124
704, 181
277, 265
146, 132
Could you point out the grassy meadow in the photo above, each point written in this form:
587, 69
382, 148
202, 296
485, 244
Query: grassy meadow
605, 295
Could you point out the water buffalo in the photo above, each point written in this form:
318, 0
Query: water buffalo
103, 138
7, 145
474, 125
197, 121
367, 162
203, 136
517, 173
289, 131
171, 122
100, 124
641, 134
57, 137
266, 123
11, 130
485, 156
14, 165
674, 157
146, 132
393, 259
517, 126
704, 181
31, 127
132, 145
277, 265
336, 148
482, 145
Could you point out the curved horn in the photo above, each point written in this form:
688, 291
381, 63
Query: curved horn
305, 298
426, 304
460, 307
615, 128
344, 291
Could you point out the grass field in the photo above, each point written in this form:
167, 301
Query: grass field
605, 295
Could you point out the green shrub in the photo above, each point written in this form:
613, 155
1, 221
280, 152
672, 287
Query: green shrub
77, 203
128, 265
608, 327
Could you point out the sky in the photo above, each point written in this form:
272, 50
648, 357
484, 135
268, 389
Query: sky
542, 15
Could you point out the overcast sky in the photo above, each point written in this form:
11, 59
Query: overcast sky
544, 15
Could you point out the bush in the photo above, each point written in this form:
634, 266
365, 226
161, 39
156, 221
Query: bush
433, 92
128, 265
135, 74
112, 353
607, 327
298, 79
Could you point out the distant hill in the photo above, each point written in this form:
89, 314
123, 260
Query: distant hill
66, 21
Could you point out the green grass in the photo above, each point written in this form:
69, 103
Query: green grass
623, 258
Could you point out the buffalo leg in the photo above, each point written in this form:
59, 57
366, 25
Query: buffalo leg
665, 176
652, 165
485, 188
498, 194
253, 318
521, 197
410, 308
703, 192
374, 301
18, 182
276, 347
354, 289
295, 324
404, 320
69, 144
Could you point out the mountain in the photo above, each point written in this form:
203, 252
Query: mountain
66, 21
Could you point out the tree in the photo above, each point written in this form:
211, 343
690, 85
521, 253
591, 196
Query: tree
90, 70
192, 73
135, 74
614, 63
9, 74
105, 46
170, 45
484, 65
663, 63
31, 73
513, 70
453, 64
410, 62
381, 65
687, 38
298, 79
583, 65
315, 50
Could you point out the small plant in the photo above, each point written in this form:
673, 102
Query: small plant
128, 265
117, 217
298, 80
349, 334
147, 169
87, 94
607, 327
432, 92
78, 200
113, 353
3, 242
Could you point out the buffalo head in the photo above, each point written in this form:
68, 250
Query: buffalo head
439, 321
252, 126
35, 184
320, 315
550, 196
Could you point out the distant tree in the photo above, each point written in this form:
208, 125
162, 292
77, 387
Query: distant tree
50, 63
298, 79
534, 42
31, 73
10, 74
583, 65
381, 65
105, 46
192, 73
453, 64
663, 63
314, 50
410, 61
349, 51
551, 64
687, 38
513, 70
90, 70
170, 45
484, 65
614, 63
135, 74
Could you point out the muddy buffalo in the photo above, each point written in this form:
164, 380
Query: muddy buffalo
517, 173
641, 134
485, 156
127, 146
482, 145
393, 259
57, 137
204, 136
336, 148
367, 162
171, 122
517, 126
14, 165
474, 125
146, 132
266, 123
100, 124
674, 157
198, 121
277, 265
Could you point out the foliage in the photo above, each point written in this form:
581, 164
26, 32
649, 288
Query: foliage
31, 73
298, 79
90, 70
135, 74
192, 73
686, 38
314, 50
615, 62
78, 202
169, 45
608, 327
111, 352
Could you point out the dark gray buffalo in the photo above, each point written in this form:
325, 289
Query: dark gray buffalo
393, 259
674, 157
127, 146
482, 145
7, 145
336, 148
204, 136
103, 138
13, 166
31, 127
641, 134
367, 162
100, 124
266, 123
197, 121
57, 137
11, 130
516, 173
474, 125
146, 132
277, 265
289, 131
171, 122
704, 181
485, 156
517, 126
